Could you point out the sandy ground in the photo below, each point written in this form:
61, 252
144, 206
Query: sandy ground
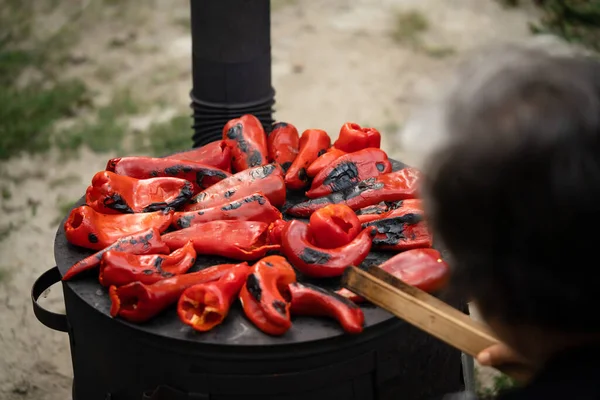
333, 61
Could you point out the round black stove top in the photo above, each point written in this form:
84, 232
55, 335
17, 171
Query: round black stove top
236, 330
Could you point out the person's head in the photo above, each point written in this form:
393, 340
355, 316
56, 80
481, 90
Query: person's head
512, 191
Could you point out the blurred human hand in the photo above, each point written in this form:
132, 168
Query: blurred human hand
504, 358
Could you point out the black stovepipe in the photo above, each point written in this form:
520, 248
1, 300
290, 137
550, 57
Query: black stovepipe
231, 64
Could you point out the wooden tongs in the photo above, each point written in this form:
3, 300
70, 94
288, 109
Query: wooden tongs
425, 312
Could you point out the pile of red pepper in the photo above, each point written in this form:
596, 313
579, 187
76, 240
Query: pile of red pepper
149, 218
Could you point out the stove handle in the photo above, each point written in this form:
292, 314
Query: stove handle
52, 320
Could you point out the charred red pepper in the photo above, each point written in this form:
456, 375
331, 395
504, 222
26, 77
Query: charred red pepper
313, 143
389, 210
322, 263
283, 142
255, 207
404, 232
111, 193
265, 296
200, 175
246, 138
323, 161
421, 268
354, 138
267, 179
334, 226
276, 230
394, 186
348, 170
215, 153
139, 302
312, 300
119, 268
147, 241
239, 240
206, 305
88, 228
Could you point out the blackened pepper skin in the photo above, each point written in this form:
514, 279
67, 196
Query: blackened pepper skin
312, 143
401, 233
246, 138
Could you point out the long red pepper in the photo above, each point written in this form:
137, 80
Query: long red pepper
255, 207
206, 305
334, 226
348, 170
313, 143
312, 300
267, 179
119, 268
214, 153
246, 138
276, 230
111, 193
283, 142
265, 296
322, 263
404, 232
394, 186
323, 161
138, 302
239, 240
389, 210
353, 138
200, 175
88, 228
144, 242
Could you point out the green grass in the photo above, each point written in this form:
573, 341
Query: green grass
63, 207
6, 193
408, 26
5, 274
67, 180
168, 137
500, 383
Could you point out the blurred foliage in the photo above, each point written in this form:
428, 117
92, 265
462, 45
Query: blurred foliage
499, 384
169, 137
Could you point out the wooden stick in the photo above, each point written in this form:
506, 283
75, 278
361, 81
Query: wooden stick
423, 311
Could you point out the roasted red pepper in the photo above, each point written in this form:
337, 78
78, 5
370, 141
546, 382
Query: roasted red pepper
404, 232
323, 161
267, 179
255, 207
119, 268
200, 175
88, 228
206, 305
312, 300
394, 186
283, 142
246, 138
353, 297
389, 210
276, 230
214, 153
334, 226
239, 240
313, 143
147, 241
138, 302
354, 138
322, 263
348, 170
265, 296
111, 193
421, 268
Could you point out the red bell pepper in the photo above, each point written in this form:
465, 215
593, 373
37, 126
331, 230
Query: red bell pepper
265, 296
312, 300
239, 240
394, 186
267, 179
276, 230
138, 302
348, 170
214, 153
316, 262
200, 175
405, 232
354, 138
111, 193
334, 226
313, 143
283, 142
323, 161
206, 305
389, 210
119, 268
246, 138
422, 268
147, 241
88, 228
